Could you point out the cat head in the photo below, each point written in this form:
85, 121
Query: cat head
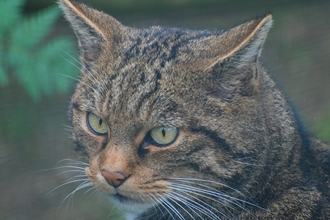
159, 109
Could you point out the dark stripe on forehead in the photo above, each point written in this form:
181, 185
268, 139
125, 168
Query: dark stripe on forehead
146, 96
214, 136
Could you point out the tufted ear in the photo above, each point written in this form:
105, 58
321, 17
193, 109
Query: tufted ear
95, 30
232, 57
242, 43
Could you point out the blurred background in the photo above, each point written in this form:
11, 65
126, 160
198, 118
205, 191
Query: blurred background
37, 76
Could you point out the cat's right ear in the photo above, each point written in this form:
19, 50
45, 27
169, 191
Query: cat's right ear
95, 30
244, 42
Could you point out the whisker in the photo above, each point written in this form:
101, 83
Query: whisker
174, 198
202, 192
160, 201
87, 191
171, 207
188, 180
78, 177
94, 81
206, 194
156, 206
68, 127
195, 192
78, 80
72, 162
68, 166
72, 169
95, 192
85, 184
72, 57
78, 67
66, 183
198, 204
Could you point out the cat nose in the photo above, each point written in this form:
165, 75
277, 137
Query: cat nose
114, 179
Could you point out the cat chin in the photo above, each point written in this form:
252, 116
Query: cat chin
129, 206
130, 216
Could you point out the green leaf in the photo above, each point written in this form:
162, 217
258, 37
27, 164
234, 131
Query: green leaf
36, 65
50, 71
41, 72
33, 30
28, 77
10, 11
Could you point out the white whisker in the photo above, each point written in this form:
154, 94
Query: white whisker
66, 183
78, 80
85, 184
194, 188
188, 180
174, 199
156, 207
171, 207
160, 201
72, 162
198, 205
74, 167
198, 191
95, 83
68, 128
90, 76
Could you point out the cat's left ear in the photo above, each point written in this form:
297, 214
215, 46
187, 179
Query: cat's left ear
242, 43
95, 30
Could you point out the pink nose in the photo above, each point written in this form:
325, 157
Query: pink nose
114, 179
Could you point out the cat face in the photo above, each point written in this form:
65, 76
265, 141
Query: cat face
146, 126
160, 113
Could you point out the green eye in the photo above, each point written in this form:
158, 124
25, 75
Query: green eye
163, 136
96, 124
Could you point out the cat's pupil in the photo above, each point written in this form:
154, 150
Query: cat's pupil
100, 121
163, 132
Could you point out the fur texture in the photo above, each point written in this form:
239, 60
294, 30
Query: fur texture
240, 152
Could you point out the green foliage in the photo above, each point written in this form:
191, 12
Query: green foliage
28, 57
9, 11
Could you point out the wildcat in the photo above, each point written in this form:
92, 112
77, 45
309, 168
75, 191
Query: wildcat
182, 124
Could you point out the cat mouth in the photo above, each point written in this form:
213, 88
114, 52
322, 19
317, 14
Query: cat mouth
129, 204
125, 200
122, 199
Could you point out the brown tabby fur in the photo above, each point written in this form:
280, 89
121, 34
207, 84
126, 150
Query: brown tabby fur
240, 154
